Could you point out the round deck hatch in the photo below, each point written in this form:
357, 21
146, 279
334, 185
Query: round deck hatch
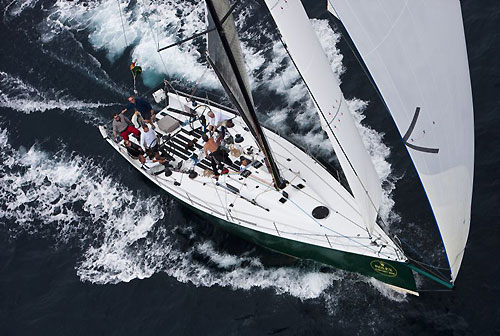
320, 212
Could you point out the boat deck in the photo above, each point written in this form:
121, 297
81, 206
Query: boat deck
250, 200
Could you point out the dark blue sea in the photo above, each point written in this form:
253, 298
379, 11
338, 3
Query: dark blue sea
88, 246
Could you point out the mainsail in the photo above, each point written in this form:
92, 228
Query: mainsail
227, 61
416, 54
312, 64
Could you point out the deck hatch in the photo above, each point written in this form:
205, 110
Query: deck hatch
320, 212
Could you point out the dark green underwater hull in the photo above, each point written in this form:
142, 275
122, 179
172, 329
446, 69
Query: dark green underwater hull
391, 272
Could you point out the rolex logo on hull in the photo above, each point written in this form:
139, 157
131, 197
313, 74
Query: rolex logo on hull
383, 268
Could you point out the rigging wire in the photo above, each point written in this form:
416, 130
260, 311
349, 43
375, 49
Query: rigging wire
126, 44
195, 89
422, 264
157, 42
415, 251
367, 246
155, 36
199, 82
167, 83
284, 224
123, 25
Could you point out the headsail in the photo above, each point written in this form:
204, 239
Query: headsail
226, 59
415, 51
312, 63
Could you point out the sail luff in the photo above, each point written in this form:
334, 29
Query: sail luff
227, 60
336, 120
416, 54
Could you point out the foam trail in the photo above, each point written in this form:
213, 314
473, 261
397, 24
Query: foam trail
185, 61
71, 199
20, 96
123, 234
15, 8
60, 43
388, 292
101, 19
247, 273
273, 74
147, 28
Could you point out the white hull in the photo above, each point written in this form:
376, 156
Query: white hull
253, 203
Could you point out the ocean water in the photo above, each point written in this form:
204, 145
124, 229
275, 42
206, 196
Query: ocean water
89, 247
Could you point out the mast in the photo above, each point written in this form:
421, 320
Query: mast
227, 61
415, 52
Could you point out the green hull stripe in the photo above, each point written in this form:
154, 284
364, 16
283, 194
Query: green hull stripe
391, 272
418, 270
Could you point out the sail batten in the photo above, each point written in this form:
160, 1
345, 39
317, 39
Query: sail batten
416, 54
310, 60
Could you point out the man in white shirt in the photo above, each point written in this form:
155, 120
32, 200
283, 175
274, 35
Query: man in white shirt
149, 141
216, 119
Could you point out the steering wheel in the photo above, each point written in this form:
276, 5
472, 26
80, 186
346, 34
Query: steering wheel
200, 111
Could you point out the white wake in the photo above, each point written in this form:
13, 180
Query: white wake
124, 234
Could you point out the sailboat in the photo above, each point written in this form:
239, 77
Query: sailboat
279, 197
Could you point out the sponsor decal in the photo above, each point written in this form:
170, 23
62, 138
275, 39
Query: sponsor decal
384, 268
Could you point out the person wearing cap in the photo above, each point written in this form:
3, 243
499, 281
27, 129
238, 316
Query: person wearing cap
122, 126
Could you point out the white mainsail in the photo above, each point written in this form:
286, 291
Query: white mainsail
312, 63
415, 51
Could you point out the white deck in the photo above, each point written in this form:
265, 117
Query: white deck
342, 230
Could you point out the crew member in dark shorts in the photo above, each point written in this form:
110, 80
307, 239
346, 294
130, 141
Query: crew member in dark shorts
215, 153
143, 107
149, 142
135, 151
122, 126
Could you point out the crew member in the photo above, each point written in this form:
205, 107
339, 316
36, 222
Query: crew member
135, 151
215, 153
121, 125
149, 141
216, 119
143, 107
